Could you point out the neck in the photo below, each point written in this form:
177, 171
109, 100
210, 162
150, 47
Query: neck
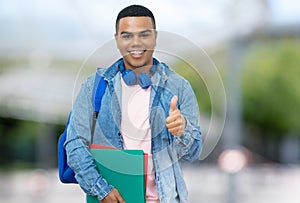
139, 70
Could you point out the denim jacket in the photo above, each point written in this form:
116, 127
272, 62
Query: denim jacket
167, 150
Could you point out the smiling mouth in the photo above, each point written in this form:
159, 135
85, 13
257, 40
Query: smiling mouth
137, 53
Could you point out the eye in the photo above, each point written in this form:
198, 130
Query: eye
126, 36
145, 35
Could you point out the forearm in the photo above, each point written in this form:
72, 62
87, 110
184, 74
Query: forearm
189, 144
82, 163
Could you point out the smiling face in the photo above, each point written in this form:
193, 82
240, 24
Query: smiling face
136, 40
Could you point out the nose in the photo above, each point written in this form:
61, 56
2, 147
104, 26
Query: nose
136, 40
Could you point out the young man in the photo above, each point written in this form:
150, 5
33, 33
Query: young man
145, 106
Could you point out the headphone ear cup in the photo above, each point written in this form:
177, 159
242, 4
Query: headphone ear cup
144, 80
129, 77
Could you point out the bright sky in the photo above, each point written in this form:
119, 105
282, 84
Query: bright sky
80, 24
285, 11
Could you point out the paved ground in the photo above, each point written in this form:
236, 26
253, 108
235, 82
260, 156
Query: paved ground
206, 184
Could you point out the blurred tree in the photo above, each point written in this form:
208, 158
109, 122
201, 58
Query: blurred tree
197, 83
6, 131
28, 144
271, 87
17, 144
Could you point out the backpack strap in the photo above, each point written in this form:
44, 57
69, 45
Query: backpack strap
98, 92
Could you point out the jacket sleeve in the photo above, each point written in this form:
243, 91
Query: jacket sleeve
189, 144
77, 145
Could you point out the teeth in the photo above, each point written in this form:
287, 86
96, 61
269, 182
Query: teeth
136, 52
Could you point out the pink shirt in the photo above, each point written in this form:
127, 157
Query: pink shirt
136, 131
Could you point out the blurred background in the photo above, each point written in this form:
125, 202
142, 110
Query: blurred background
46, 47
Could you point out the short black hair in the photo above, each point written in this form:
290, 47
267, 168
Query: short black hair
135, 11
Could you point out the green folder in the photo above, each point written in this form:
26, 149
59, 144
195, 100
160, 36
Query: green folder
124, 169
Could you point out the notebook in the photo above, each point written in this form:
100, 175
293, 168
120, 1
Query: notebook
125, 170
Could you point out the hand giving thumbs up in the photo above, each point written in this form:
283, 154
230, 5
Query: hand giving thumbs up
175, 122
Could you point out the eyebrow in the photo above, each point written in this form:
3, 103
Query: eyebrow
144, 31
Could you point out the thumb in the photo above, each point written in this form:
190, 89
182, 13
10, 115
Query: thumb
173, 103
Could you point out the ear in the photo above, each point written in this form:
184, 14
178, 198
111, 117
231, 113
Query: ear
116, 39
156, 34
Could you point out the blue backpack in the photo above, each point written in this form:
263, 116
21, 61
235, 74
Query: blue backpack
66, 174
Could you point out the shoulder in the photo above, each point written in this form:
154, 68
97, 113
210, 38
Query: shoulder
88, 84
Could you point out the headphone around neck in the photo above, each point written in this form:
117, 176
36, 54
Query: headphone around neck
142, 79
